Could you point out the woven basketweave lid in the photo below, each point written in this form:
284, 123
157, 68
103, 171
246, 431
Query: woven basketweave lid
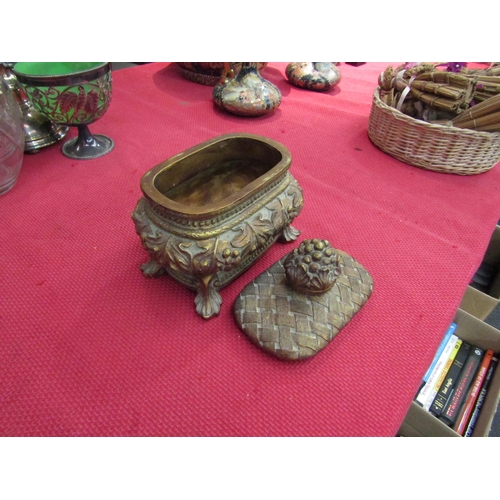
292, 324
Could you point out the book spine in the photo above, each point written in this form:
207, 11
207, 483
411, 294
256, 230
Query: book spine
468, 406
442, 345
446, 389
434, 390
425, 392
482, 397
464, 381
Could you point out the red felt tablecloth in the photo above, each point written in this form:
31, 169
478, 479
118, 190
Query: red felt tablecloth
90, 347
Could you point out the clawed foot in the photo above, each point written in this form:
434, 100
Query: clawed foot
208, 299
152, 269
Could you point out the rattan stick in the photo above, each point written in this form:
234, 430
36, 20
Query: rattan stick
486, 107
488, 79
490, 128
453, 79
441, 89
483, 121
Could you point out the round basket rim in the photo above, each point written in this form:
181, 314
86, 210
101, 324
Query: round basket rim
438, 127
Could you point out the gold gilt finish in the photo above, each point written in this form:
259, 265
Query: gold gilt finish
207, 213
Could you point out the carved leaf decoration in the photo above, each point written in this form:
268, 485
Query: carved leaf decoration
181, 256
178, 255
275, 205
139, 218
205, 262
297, 197
278, 216
150, 234
154, 239
286, 207
281, 217
254, 234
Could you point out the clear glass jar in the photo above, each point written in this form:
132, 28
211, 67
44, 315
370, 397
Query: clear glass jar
11, 138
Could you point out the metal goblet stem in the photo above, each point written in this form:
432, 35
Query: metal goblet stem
86, 145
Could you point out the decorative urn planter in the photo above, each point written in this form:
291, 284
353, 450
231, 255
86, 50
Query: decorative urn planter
209, 73
319, 76
209, 212
243, 91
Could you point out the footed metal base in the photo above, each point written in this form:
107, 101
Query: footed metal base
79, 150
45, 135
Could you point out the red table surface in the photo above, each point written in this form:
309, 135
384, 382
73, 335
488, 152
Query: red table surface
90, 347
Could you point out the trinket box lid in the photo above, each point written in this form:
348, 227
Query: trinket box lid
291, 324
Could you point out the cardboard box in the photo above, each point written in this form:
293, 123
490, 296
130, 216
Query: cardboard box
481, 304
419, 422
478, 303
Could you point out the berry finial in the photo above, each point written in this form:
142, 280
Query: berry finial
313, 267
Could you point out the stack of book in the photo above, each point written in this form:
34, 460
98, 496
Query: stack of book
455, 385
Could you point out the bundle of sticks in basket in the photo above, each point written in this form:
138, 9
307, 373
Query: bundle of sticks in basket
484, 116
454, 96
488, 81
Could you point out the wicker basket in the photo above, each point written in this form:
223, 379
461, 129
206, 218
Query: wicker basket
433, 147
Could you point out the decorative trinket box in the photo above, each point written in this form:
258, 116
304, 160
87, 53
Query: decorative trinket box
207, 213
